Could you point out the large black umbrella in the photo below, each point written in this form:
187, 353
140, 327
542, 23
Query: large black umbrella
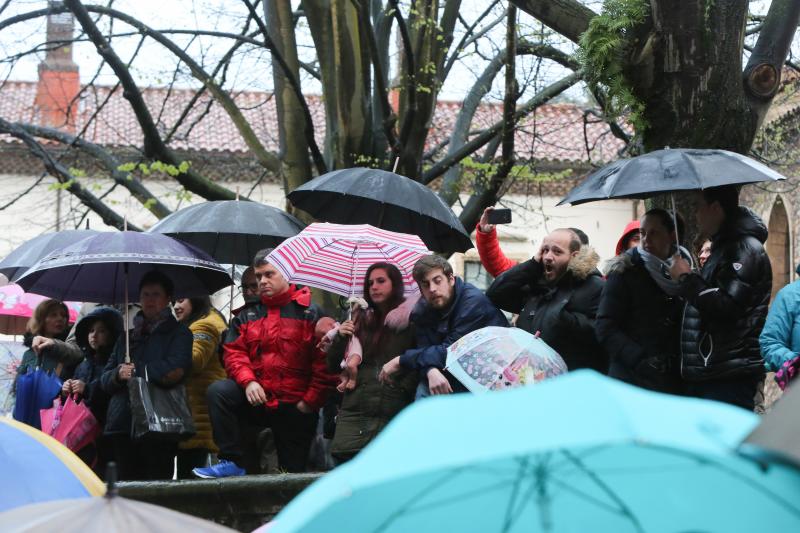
669, 170
384, 200
28, 254
230, 231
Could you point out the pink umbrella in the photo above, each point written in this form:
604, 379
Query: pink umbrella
17, 306
335, 257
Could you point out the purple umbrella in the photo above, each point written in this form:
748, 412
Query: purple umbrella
28, 254
107, 268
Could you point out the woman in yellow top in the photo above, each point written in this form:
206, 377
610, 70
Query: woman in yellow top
207, 326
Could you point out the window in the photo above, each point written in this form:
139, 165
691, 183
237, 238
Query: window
475, 273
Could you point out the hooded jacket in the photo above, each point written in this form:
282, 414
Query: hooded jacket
630, 227
273, 343
91, 368
436, 330
367, 409
780, 338
563, 313
727, 303
637, 320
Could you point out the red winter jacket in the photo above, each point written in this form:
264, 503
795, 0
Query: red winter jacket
273, 343
492, 257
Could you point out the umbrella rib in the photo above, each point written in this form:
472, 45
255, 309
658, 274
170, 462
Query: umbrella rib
508, 521
627, 511
420, 494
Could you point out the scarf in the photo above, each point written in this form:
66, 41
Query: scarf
142, 327
659, 269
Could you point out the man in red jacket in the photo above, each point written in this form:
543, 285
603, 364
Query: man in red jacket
278, 378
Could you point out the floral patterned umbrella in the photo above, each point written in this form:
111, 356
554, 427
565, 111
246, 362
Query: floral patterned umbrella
17, 306
495, 358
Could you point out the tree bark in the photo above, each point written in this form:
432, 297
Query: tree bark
295, 164
570, 18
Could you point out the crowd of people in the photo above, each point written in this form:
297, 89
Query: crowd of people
651, 318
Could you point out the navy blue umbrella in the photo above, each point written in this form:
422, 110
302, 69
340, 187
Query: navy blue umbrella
28, 254
35, 390
108, 267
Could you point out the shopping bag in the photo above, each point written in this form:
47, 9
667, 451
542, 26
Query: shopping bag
35, 391
159, 413
70, 423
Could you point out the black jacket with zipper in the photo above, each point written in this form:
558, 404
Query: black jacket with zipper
727, 304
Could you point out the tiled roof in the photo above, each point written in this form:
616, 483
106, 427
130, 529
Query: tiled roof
555, 132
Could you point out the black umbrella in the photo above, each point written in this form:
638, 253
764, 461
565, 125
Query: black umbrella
230, 231
384, 200
28, 254
669, 170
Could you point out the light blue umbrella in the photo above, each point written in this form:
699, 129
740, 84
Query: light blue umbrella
578, 453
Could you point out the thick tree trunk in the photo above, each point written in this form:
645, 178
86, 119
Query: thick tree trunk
296, 166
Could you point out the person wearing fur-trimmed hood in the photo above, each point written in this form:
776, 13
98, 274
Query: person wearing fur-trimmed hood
556, 295
384, 331
640, 312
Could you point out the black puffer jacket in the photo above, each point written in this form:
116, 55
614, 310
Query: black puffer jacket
564, 313
637, 323
727, 304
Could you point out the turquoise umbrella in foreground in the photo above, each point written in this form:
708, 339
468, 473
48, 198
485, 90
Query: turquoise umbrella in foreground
578, 453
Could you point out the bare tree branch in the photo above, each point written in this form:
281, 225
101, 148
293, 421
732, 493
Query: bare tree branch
570, 18
62, 174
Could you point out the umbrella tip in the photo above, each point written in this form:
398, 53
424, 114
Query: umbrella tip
111, 480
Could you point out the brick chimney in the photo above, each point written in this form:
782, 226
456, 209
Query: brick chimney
59, 80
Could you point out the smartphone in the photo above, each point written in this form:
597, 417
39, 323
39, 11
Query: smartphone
500, 216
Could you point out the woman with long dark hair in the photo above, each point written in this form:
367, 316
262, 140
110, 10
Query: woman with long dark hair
207, 326
384, 331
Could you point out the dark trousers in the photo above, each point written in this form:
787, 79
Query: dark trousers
143, 460
229, 410
191, 458
740, 391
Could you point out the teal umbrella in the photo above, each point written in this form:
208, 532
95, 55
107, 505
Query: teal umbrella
578, 453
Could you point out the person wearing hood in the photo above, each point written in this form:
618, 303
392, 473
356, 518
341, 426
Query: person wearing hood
727, 302
639, 319
207, 326
556, 295
277, 376
780, 338
449, 309
47, 326
95, 335
384, 331
630, 237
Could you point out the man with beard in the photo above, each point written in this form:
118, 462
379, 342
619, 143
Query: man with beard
449, 309
556, 295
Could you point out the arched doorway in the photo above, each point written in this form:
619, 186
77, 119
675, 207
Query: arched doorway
778, 247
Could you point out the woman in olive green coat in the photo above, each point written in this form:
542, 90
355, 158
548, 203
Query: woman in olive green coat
384, 332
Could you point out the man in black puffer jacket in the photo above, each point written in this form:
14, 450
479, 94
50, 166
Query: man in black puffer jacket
727, 302
557, 294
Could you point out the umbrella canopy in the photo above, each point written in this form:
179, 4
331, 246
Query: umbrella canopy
581, 452
103, 515
96, 269
495, 358
778, 434
335, 257
38, 468
10, 357
34, 390
669, 170
230, 231
25, 256
384, 200
17, 306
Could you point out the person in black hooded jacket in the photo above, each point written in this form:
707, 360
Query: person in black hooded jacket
727, 302
95, 335
557, 294
639, 319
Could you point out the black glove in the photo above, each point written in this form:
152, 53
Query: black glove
651, 368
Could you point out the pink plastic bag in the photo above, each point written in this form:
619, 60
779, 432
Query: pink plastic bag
70, 423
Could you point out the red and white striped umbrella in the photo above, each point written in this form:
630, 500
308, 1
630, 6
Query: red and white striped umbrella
335, 257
